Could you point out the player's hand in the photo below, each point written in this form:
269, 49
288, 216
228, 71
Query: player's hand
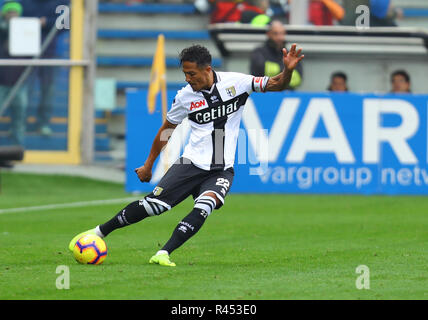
292, 58
144, 173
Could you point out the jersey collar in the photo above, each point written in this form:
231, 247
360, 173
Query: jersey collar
216, 79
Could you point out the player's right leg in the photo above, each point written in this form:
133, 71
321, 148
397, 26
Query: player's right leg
132, 213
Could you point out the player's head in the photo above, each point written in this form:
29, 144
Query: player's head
196, 65
400, 82
276, 33
338, 82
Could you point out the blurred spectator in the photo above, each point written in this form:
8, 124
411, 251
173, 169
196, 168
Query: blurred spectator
267, 60
338, 82
46, 11
249, 11
255, 13
226, 11
10, 75
383, 14
400, 82
324, 12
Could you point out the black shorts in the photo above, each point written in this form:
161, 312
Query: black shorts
183, 179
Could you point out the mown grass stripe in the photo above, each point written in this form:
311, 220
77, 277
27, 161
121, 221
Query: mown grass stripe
66, 205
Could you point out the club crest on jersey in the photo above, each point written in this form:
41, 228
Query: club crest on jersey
157, 191
197, 104
231, 92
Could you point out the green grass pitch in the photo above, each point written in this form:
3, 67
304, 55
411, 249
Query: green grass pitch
255, 247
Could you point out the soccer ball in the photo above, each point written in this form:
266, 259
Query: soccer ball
90, 249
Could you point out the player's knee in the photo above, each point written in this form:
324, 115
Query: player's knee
207, 203
152, 208
214, 196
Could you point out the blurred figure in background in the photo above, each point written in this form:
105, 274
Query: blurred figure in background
10, 75
226, 11
384, 14
267, 59
338, 82
400, 82
325, 12
45, 10
248, 11
255, 13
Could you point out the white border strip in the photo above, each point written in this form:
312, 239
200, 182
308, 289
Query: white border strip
44, 62
66, 205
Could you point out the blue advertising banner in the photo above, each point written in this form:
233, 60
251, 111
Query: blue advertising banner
306, 143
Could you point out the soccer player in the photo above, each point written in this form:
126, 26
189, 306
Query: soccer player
213, 102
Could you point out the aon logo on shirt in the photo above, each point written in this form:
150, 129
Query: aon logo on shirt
197, 105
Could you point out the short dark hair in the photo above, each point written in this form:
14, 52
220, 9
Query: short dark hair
402, 73
196, 53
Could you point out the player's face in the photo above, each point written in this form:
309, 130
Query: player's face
198, 77
277, 34
399, 84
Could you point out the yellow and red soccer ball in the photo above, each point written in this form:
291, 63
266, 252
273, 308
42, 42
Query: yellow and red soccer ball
90, 249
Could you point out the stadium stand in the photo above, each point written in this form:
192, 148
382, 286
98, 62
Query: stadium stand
127, 36
367, 55
126, 42
415, 13
57, 141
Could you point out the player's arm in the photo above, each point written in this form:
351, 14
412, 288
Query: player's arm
145, 172
291, 59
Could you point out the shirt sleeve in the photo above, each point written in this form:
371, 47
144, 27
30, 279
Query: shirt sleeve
177, 112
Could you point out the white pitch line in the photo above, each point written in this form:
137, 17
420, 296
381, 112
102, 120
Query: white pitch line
66, 205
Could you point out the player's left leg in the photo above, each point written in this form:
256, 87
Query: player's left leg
191, 224
187, 228
210, 196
